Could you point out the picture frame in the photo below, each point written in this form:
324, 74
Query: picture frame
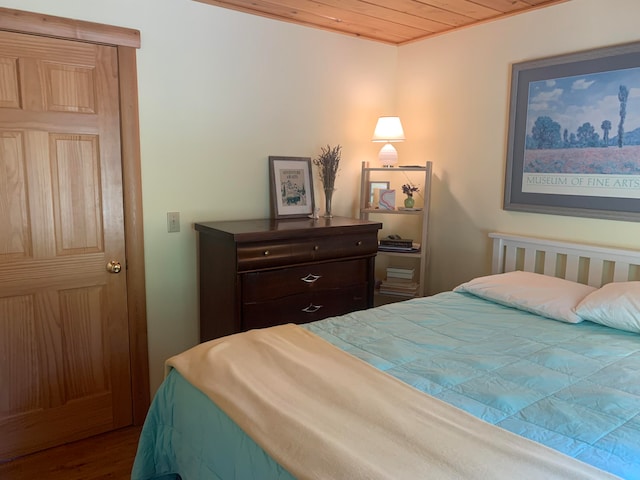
574, 135
387, 199
291, 187
372, 187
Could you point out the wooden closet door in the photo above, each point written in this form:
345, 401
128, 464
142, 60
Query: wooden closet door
64, 341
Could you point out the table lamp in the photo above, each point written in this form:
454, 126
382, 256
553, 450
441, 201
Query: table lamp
388, 129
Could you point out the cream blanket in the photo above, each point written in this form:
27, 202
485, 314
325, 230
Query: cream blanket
324, 414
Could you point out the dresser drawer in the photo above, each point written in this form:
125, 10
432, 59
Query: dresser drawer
271, 284
252, 256
305, 307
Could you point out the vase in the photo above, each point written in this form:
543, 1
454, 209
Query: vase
328, 193
409, 202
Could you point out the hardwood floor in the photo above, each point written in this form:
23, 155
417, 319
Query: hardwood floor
105, 456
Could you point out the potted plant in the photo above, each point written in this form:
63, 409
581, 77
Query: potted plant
328, 162
408, 190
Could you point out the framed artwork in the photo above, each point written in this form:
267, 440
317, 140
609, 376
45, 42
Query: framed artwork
373, 186
387, 200
291, 187
574, 135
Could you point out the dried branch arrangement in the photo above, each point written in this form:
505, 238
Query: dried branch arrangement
328, 162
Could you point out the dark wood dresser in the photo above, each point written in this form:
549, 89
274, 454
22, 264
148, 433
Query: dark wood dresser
260, 273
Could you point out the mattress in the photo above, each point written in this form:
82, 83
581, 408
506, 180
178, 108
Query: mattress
572, 387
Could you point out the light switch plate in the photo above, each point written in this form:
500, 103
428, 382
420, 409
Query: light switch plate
173, 222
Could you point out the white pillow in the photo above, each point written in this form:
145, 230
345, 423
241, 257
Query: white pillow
615, 305
550, 297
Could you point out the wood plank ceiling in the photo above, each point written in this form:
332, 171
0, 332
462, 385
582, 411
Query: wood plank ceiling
394, 22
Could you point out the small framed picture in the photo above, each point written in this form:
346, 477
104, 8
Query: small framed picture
387, 199
291, 187
373, 198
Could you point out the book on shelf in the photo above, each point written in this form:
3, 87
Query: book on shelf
398, 294
399, 287
396, 242
397, 279
399, 283
399, 271
414, 248
403, 284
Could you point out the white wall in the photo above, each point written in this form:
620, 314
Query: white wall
453, 96
219, 92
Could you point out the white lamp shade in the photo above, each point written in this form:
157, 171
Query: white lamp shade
388, 129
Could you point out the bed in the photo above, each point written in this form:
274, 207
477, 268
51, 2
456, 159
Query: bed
531, 372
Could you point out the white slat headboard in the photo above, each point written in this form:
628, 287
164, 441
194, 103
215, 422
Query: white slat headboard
577, 262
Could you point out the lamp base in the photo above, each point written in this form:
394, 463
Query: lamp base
388, 155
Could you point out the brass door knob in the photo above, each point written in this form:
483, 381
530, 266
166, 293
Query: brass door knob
114, 266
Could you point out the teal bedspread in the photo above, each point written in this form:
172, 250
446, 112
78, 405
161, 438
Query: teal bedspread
572, 387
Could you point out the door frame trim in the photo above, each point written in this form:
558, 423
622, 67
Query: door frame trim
66, 28
126, 41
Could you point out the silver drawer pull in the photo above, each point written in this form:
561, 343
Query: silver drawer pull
266, 253
358, 243
310, 278
312, 308
316, 248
